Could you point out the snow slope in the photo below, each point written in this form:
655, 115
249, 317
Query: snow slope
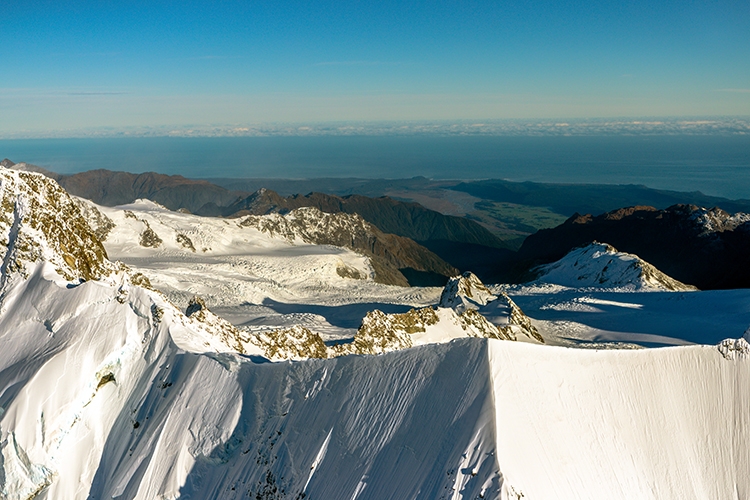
109, 391
134, 414
253, 278
607, 318
601, 265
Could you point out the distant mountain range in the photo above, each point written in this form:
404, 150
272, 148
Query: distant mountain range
666, 228
450, 237
707, 248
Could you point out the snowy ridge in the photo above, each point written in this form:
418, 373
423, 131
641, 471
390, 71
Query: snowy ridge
137, 415
601, 265
380, 332
715, 220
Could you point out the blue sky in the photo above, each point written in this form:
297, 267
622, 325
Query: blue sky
70, 65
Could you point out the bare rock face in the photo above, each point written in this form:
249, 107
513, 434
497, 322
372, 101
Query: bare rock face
100, 223
40, 221
295, 343
734, 348
465, 292
382, 332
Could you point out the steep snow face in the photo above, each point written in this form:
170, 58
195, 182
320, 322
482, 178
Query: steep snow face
80, 367
107, 391
652, 423
143, 413
602, 266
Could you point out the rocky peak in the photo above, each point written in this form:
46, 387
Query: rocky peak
40, 221
465, 292
216, 326
711, 220
312, 226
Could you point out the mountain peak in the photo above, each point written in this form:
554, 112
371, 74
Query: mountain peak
601, 265
465, 292
40, 221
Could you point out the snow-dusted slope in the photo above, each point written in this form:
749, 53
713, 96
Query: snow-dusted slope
467, 293
601, 265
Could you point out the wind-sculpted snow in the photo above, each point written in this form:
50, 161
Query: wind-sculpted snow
666, 423
602, 266
150, 411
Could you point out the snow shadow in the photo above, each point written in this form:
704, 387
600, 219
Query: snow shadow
650, 319
342, 316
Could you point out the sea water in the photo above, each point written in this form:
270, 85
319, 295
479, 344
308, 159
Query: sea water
714, 164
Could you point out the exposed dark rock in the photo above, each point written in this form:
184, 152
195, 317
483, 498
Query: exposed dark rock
707, 248
388, 253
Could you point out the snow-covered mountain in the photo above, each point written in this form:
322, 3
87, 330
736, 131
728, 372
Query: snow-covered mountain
107, 390
704, 247
601, 265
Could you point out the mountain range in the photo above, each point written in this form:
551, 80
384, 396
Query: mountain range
706, 248
164, 373
443, 245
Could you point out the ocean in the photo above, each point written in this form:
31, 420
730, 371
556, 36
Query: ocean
714, 164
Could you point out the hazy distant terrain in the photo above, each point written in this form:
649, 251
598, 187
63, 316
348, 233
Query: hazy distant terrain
476, 225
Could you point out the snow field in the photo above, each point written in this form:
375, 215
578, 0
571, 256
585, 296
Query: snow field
654, 423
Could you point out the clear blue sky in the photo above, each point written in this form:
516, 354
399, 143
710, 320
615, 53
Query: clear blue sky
86, 64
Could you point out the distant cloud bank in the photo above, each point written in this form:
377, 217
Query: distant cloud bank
581, 127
